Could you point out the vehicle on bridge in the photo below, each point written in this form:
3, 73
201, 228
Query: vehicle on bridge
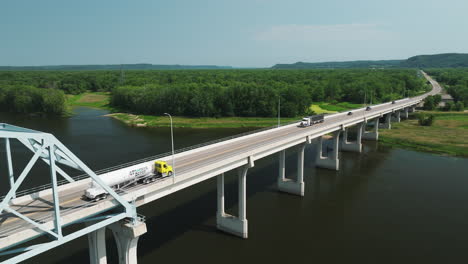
133, 175
308, 121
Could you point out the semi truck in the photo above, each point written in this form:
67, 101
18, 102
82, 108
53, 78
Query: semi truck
311, 120
142, 173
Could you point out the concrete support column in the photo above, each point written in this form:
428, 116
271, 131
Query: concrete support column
228, 223
288, 185
345, 137
374, 134
405, 113
387, 124
397, 118
282, 167
97, 246
242, 178
126, 237
355, 146
331, 161
220, 189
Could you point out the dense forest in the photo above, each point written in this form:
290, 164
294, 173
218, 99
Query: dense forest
213, 93
29, 99
455, 81
138, 66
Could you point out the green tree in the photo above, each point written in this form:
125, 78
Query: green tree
459, 106
426, 120
449, 106
429, 103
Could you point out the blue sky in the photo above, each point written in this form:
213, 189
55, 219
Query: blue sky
242, 33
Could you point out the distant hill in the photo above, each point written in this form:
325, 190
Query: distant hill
141, 66
447, 60
340, 64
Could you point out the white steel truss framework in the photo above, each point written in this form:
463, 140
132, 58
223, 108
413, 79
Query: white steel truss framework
50, 150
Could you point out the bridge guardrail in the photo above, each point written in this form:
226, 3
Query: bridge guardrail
135, 162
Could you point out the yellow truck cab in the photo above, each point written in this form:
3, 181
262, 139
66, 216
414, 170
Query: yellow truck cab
162, 169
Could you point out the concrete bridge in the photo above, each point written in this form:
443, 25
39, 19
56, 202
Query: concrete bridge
52, 210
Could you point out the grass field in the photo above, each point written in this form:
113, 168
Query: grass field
328, 108
89, 99
319, 110
448, 135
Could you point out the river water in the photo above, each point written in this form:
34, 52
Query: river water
385, 205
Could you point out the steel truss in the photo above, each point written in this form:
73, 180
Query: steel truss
51, 151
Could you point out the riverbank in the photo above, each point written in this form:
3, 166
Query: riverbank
101, 100
226, 122
200, 122
448, 135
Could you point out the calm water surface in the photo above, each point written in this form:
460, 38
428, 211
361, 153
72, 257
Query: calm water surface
383, 206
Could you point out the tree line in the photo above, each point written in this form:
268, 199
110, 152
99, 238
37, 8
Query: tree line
454, 81
258, 92
29, 99
226, 92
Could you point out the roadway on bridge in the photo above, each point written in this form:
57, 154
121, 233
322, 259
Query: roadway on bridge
41, 209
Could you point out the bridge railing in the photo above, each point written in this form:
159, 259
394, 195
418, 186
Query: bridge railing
135, 162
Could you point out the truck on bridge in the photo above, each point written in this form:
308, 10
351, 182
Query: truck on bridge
133, 175
311, 120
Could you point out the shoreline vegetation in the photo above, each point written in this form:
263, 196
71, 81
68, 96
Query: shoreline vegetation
101, 100
447, 136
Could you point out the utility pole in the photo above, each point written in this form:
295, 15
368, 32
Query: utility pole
173, 154
279, 111
365, 96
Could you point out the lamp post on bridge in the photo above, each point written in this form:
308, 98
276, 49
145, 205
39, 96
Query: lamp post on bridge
279, 110
172, 143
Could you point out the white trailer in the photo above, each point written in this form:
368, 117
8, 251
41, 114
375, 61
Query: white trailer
308, 121
121, 178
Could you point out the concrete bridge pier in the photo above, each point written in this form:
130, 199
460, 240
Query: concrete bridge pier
397, 116
97, 246
411, 109
288, 185
330, 161
355, 146
405, 113
387, 124
126, 237
371, 135
228, 223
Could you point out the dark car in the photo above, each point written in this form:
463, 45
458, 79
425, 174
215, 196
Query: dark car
393, 102
368, 108
350, 113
